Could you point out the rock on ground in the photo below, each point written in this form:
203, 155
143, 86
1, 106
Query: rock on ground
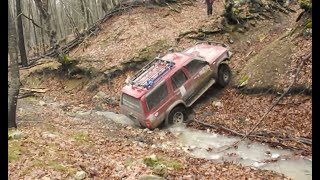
16, 135
80, 175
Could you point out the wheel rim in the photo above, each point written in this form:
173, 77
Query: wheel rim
178, 117
225, 75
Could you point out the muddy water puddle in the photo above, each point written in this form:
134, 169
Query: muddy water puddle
207, 145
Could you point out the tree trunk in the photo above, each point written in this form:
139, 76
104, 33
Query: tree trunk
30, 39
22, 48
54, 22
104, 6
96, 9
37, 49
42, 37
84, 14
58, 21
13, 90
43, 6
61, 15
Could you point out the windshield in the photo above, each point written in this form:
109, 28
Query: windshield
133, 103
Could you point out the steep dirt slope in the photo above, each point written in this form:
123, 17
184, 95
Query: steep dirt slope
123, 36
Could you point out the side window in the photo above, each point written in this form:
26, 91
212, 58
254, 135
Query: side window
155, 96
178, 79
195, 66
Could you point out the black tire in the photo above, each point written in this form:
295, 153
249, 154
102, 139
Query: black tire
174, 114
224, 75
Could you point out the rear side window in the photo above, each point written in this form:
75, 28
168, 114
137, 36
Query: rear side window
178, 79
195, 66
158, 94
133, 103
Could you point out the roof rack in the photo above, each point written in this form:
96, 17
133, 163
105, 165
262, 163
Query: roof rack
151, 73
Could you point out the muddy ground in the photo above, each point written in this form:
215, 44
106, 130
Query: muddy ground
64, 135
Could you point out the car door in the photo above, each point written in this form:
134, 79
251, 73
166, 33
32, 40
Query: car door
200, 73
181, 85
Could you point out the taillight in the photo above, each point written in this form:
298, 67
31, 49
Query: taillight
148, 123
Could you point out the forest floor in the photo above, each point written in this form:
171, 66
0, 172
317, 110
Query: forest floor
61, 139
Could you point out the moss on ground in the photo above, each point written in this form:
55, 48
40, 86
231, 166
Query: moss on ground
153, 161
14, 150
81, 137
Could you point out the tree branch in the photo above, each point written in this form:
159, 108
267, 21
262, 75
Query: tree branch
33, 22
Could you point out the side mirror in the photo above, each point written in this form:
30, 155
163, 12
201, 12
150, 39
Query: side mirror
171, 49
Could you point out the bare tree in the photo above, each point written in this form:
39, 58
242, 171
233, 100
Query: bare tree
37, 49
22, 48
43, 6
57, 19
13, 89
84, 14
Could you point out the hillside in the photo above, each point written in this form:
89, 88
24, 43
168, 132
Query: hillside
65, 134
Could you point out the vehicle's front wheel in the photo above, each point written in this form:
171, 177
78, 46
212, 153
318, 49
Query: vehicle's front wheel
177, 115
224, 75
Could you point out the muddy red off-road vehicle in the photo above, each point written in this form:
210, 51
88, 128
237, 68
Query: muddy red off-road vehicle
163, 89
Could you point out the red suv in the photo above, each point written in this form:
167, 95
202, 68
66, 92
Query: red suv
164, 88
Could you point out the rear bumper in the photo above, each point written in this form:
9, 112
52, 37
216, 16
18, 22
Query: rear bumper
138, 118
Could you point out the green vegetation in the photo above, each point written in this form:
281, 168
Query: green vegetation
244, 80
309, 24
81, 137
14, 150
306, 4
154, 161
10, 131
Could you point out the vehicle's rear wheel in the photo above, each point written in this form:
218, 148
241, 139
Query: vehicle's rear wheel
177, 115
224, 75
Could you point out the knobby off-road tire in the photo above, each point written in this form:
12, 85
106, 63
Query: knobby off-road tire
224, 75
177, 115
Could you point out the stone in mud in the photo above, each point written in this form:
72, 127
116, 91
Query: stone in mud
49, 135
217, 104
42, 103
161, 170
16, 135
99, 96
83, 113
119, 168
80, 175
